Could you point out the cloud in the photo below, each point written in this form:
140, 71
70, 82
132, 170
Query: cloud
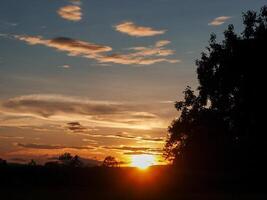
162, 43
70, 12
136, 56
65, 66
58, 108
76, 2
71, 46
133, 150
49, 105
11, 137
138, 138
219, 20
127, 136
46, 146
132, 29
143, 55
76, 127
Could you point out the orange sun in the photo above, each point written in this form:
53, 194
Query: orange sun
143, 161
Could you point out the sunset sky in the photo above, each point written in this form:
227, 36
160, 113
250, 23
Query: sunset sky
99, 77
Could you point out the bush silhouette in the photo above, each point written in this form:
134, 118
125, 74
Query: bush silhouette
68, 160
110, 161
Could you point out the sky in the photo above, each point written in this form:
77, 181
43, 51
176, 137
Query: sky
100, 77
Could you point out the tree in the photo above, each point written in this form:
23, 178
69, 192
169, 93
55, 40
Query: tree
65, 159
110, 161
2, 162
32, 163
222, 121
68, 160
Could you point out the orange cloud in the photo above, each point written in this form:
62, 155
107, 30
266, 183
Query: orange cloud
138, 56
65, 66
132, 29
46, 146
133, 150
143, 55
71, 46
37, 110
70, 12
219, 20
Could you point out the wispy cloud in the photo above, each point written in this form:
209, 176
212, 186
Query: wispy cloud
71, 12
133, 150
65, 66
11, 137
92, 113
142, 55
7, 24
76, 127
130, 28
127, 136
71, 46
46, 146
136, 56
76, 2
219, 20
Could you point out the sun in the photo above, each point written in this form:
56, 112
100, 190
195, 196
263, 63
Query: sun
143, 161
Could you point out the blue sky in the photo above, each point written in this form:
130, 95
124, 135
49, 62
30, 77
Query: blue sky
100, 73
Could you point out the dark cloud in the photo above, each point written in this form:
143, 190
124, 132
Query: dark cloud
76, 127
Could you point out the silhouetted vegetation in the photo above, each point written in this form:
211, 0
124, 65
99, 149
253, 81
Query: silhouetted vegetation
110, 161
67, 159
220, 126
32, 163
2, 162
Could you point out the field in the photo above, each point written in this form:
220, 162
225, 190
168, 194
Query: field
24, 182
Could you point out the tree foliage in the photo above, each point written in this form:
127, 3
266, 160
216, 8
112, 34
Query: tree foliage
222, 121
32, 163
110, 161
3, 162
68, 160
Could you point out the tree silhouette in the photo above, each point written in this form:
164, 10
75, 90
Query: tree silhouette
110, 161
32, 163
222, 122
2, 162
68, 160
65, 159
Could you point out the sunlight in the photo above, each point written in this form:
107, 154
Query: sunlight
143, 161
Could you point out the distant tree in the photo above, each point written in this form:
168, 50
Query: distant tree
68, 160
110, 161
65, 159
222, 121
32, 163
2, 162
76, 161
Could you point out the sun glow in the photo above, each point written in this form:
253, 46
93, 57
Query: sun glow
143, 161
